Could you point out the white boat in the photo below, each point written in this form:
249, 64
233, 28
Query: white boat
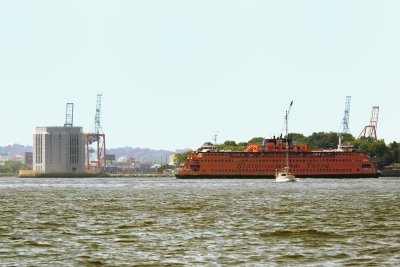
285, 175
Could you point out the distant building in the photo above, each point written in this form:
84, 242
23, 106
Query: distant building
172, 159
58, 150
29, 160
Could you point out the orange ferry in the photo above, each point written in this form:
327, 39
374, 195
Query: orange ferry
262, 161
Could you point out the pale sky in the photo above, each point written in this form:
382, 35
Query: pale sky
172, 73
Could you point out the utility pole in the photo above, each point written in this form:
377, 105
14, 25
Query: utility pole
215, 138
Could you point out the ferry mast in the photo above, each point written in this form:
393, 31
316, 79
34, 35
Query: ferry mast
287, 135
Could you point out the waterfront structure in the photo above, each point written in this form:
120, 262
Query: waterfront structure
58, 150
28, 160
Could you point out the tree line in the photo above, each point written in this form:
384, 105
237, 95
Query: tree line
11, 166
384, 154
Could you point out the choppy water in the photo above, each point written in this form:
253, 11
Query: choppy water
164, 221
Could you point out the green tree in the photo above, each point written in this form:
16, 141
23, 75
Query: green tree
395, 148
256, 141
362, 146
347, 138
323, 140
381, 152
181, 158
231, 147
299, 138
228, 146
378, 148
230, 143
11, 166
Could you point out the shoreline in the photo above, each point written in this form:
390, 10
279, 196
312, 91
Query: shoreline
84, 175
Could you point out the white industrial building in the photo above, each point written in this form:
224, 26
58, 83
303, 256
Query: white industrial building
58, 150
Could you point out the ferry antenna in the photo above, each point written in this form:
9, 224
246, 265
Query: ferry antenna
215, 137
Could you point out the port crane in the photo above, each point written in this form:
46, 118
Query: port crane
97, 138
345, 123
370, 130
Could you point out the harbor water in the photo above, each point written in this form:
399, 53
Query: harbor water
171, 222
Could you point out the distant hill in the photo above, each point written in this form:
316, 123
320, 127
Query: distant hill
12, 151
141, 154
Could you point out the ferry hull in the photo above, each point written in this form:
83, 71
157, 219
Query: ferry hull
331, 176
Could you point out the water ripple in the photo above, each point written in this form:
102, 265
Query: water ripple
102, 222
